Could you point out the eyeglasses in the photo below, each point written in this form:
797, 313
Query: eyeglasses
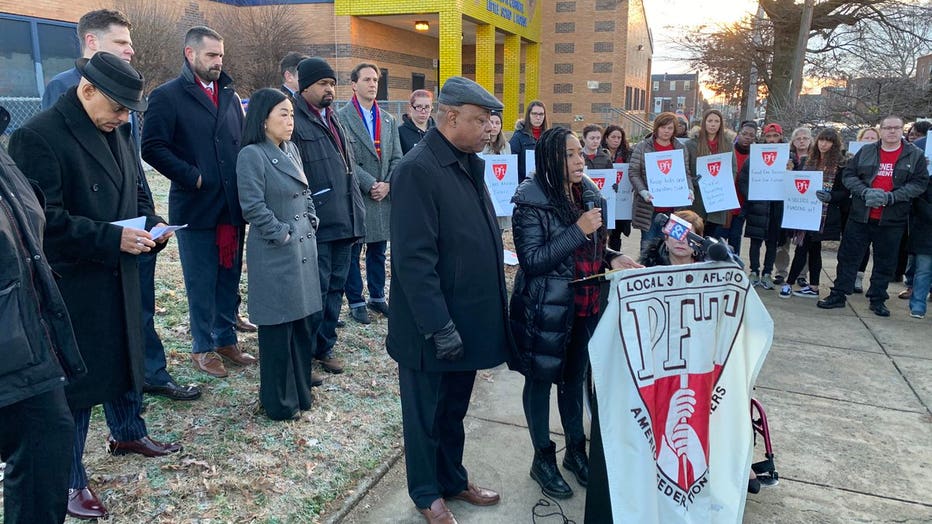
891, 128
115, 106
421, 107
536, 113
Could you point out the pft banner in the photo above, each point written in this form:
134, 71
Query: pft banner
501, 177
604, 179
767, 171
674, 359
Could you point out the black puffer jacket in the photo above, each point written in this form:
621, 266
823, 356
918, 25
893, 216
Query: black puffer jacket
522, 140
763, 217
542, 308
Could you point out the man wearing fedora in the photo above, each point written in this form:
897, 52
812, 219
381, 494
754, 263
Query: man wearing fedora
192, 136
79, 152
447, 317
108, 30
330, 168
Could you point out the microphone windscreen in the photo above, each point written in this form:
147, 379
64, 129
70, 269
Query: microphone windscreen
661, 219
590, 198
718, 251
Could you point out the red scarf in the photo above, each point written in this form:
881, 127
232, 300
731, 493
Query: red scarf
211, 93
536, 131
227, 244
376, 117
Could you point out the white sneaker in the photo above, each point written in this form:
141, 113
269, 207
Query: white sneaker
786, 291
918, 315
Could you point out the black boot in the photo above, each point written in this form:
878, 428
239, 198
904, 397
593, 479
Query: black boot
575, 460
544, 471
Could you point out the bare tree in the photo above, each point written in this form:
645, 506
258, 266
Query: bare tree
255, 40
157, 39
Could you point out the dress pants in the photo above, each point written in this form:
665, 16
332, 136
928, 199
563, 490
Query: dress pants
854, 243
536, 395
333, 263
124, 418
433, 406
156, 372
212, 289
285, 367
375, 274
35, 443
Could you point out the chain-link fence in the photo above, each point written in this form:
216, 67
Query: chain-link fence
21, 109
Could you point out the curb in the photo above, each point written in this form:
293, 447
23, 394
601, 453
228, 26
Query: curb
363, 487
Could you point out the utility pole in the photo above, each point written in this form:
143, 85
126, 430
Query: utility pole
751, 111
799, 59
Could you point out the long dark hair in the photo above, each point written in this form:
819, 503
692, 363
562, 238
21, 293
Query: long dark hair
261, 104
550, 164
830, 161
623, 148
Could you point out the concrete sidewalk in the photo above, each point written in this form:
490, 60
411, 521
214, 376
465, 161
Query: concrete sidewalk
847, 394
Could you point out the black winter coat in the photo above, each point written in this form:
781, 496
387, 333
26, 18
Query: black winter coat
330, 175
447, 260
410, 134
920, 224
542, 303
37, 346
837, 208
86, 189
184, 136
910, 178
762, 217
522, 140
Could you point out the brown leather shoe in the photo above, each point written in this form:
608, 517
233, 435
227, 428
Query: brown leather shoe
209, 363
243, 325
144, 446
83, 504
332, 365
234, 355
438, 513
477, 496
317, 379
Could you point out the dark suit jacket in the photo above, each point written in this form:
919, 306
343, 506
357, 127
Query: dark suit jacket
185, 136
86, 189
447, 260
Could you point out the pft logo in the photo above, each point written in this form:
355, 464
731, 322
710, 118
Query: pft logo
665, 165
769, 157
802, 185
499, 170
714, 167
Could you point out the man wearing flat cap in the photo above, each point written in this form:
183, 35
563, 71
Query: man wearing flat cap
329, 166
447, 317
79, 152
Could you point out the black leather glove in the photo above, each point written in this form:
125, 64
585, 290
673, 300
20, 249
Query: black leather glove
824, 195
448, 343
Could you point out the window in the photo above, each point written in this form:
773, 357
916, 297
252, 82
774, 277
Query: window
637, 99
628, 95
382, 94
656, 85
417, 81
59, 49
672, 85
685, 85
680, 102
16, 59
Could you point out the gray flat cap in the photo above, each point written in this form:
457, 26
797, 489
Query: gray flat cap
457, 91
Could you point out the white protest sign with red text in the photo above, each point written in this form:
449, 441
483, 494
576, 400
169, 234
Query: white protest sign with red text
604, 178
717, 182
767, 171
666, 178
801, 208
501, 177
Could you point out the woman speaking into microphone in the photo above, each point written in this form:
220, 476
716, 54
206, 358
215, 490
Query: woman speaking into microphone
559, 237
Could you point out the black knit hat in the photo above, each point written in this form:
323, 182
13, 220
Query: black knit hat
310, 70
115, 78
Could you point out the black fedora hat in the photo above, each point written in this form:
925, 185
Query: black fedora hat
115, 78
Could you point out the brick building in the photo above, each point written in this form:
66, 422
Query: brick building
675, 93
588, 60
924, 72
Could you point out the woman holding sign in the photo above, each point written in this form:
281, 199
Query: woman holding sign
711, 140
498, 145
559, 237
660, 139
825, 156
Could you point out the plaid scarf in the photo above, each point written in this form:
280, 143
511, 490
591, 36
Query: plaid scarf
376, 118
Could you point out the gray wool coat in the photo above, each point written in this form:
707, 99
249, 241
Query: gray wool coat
281, 248
370, 169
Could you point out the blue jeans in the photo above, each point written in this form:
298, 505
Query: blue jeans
922, 279
375, 274
333, 262
213, 291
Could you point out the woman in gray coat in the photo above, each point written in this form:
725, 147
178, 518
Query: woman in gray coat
284, 287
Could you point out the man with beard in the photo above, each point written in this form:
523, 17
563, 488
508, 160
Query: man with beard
192, 136
329, 164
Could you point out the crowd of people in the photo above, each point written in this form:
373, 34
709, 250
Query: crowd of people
318, 187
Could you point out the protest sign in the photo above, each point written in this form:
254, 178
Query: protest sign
624, 199
801, 208
666, 178
717, 182
529, 164
501, 177
767, 171
604, 178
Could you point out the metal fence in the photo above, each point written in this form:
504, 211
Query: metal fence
21, 109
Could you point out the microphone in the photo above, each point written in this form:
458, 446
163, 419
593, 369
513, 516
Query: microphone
590, 199
714, 249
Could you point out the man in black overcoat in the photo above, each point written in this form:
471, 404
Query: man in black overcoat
447, 315
192, 135
79, 152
